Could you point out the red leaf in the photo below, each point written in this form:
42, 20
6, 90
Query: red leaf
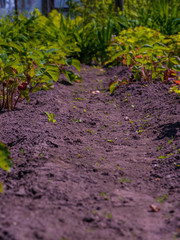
177, 81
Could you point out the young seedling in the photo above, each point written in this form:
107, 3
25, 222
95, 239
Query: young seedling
162, 199
125, 180
51, 117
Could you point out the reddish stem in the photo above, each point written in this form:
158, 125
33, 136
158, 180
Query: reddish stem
16, 101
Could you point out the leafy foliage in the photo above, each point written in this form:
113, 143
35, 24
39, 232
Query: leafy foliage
35, 50
33, 55
162, 15
148, 53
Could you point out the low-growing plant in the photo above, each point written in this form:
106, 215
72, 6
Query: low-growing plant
51, 117
32, 58
23, 72
148, 54
162, 199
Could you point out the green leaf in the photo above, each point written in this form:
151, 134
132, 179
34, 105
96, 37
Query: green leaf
47, 114
159, 45
51, 117
4, 57
25, 94
69, 62
52, 50
8, 70
12, 45
176, 67
76, 64
113, 87
71, 77
115, 56
36, 89
128, 60
160, 68
5, 160
53, 72
175, 60
1, 188
154, 75
46, 86
146, 47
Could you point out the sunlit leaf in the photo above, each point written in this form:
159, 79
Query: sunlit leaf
177, 81
113, 87
176, 67
25, 94
9, 70
1, 187
53, 72
5, 160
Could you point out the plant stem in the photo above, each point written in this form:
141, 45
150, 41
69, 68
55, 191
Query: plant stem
16, 101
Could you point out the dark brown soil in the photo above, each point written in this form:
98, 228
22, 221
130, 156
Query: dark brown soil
94, 173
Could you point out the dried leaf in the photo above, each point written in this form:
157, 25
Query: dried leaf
154, 208
177, 81
95, 92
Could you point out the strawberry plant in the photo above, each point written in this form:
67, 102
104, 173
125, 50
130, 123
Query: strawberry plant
155, 62
148, 58
23, 70
123, 47
19, 74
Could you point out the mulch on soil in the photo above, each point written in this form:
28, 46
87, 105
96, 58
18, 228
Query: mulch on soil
108, 168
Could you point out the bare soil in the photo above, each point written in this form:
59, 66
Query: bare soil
95, 173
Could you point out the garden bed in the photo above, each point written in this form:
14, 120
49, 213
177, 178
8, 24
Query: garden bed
108, 168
